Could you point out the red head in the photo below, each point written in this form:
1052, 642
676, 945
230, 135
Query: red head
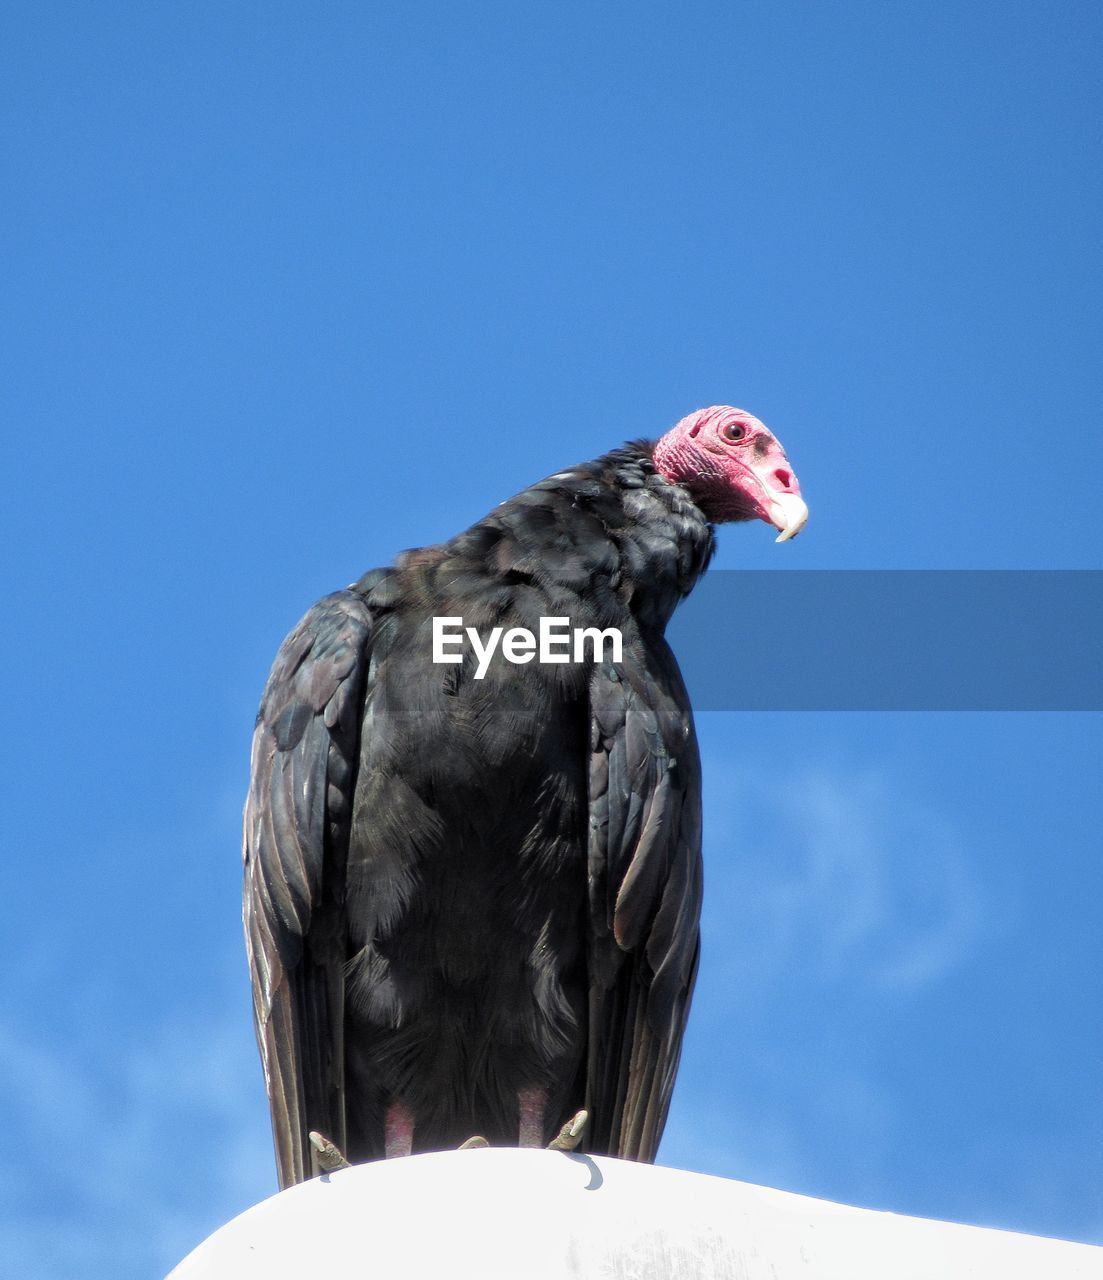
733, 468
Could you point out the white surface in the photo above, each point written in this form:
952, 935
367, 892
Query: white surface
539, 1215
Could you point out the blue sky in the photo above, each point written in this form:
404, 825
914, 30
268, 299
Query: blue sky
290, 288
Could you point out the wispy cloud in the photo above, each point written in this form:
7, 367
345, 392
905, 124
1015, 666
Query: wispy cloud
829, 887
843, 871
126, 1162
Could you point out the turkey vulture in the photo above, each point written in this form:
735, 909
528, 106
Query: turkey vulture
472, 897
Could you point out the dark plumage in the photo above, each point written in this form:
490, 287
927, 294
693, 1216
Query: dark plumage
461, 894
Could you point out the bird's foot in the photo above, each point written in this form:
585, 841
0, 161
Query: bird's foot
473, 1144
571, 1134
327, 1155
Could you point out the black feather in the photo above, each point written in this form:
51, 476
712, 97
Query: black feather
458, 889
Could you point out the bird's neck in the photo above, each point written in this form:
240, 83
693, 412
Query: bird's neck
665, 543
596, 540
613, 528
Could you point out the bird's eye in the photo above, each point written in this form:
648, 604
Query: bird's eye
733, 431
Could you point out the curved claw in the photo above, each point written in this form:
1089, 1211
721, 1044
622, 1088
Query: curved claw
571, 1134
328, 1155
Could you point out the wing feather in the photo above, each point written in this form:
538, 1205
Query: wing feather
645, 893
295, 844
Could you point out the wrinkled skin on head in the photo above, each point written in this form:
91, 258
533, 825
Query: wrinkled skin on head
734, 469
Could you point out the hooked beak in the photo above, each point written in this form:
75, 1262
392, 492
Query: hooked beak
789, 513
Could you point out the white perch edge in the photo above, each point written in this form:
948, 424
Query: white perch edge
505, 1214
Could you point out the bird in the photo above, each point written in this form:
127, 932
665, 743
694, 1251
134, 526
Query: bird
472, 889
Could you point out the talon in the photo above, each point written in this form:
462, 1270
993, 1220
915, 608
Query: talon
571, 1134
327, 1154
473, 1144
